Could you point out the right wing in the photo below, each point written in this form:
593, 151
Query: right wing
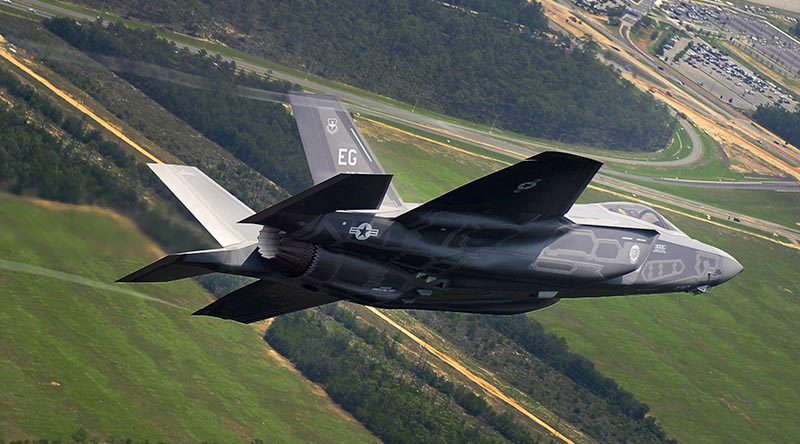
263, 300
541, 187
332, 142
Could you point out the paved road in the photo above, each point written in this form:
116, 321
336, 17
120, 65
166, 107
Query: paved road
786, 5
489, 141
764, 185
507, 144
793, 235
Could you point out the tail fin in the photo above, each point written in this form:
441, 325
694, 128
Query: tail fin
341, 192
332, 142
213, 206
244, 260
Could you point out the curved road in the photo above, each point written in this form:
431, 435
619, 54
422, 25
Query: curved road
504, 145
507, 144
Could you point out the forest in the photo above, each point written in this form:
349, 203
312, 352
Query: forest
80, 167
334, 350
781, 122
261, 134
100, 172
473, 60
519, 349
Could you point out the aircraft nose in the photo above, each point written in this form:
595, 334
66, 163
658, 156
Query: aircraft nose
730, 268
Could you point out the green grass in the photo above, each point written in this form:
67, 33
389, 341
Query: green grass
717, 368
129, 367
226, 51
425, 170
442, 139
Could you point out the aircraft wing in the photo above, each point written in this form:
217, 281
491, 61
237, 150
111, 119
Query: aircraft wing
540, 187
263, 300
332, 142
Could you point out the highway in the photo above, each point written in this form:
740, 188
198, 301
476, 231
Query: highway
501, 144
718, 121
454, 363
764, 185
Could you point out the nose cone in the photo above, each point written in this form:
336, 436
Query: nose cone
730, 268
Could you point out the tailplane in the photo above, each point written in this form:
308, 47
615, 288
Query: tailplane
262, 300
213, 206
241, 259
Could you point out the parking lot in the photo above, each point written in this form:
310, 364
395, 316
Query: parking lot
718, 74
753, 34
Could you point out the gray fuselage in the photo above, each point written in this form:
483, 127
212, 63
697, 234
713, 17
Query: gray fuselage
376, 260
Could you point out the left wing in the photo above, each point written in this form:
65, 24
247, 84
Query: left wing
541, 187
262, 300
332, 142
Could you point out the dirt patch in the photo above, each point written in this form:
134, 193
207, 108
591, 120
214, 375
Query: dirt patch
315, 388
748, 164
730, 406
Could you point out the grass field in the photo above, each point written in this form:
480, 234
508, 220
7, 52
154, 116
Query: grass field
427, 170
77, 351
718, 368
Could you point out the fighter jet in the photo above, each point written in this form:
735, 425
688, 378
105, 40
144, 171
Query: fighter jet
511, 242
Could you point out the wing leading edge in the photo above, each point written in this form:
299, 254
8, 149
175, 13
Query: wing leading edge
541, 187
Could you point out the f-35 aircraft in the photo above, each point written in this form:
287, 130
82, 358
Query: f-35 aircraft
510, 242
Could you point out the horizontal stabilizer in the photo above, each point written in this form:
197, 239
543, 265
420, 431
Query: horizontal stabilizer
234, 259
341, 192
262, 300
541, 187
213, 206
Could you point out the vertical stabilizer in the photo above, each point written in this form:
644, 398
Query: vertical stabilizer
332, 143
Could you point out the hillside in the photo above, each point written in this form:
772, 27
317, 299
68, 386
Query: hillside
77, 352
714, 368
148, 123
518, 77
654, 352
261, 134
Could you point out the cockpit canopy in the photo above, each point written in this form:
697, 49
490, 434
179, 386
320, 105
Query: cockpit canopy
641, 212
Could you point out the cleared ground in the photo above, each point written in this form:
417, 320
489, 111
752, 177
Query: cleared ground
78, 351
716, 368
